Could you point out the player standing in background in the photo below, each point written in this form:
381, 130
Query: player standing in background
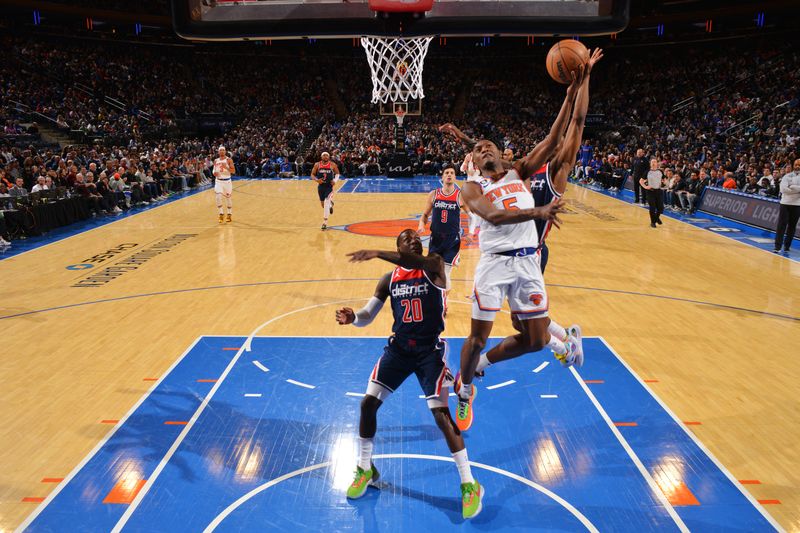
416, 292
443, 208
329, 175
223, 170
584, 159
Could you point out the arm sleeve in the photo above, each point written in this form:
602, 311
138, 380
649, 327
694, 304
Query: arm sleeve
367, 314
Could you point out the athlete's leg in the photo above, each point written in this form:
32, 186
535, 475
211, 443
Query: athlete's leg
470, 353
219, 203
229, 200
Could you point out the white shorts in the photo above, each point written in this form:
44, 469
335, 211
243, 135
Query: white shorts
223, 187
519, 279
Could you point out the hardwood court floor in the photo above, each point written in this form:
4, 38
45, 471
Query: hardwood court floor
704, 316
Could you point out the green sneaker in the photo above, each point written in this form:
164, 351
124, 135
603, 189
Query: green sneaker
362, 480
471, 499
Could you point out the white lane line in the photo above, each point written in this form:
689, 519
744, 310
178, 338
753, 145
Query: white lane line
188, 427
299, 384
252, 395
541, 367
260, 366
660, 496
548, 396
503, 384
699, 444
261, 488
356, 187
356, 394
103, 441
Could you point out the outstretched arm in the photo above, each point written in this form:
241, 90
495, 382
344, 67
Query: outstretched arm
543, 151
433, 264
563, 160
427, 213
366, 314
482, 207
458, 134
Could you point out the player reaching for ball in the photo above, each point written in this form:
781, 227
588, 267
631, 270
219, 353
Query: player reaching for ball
416, 292
509, 264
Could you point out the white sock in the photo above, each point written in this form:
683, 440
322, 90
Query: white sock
327, 209
230, 206
483, 362
465, 391
220, 208
462, 463
365, 453
556, 345
558, 331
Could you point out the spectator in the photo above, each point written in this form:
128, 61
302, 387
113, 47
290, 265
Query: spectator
730, 182
19, 189
41, 185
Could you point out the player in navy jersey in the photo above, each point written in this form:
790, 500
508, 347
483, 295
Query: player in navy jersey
416, 293
326, 174
443, 209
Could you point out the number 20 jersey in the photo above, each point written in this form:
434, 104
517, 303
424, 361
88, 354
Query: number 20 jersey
417, 307
508, 193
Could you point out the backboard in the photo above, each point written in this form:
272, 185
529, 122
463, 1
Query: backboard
293, 19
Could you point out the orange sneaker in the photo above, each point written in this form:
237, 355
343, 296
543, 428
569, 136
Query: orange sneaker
464, 412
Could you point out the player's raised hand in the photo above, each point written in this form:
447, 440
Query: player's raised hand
362, 255
345, 315
452, 130
552, 210
597, 55
577, 79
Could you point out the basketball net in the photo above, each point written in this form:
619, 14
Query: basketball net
396, 64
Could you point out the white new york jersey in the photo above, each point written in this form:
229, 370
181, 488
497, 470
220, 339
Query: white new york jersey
509, 192
221, 169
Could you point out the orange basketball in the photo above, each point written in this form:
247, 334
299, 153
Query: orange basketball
564, 57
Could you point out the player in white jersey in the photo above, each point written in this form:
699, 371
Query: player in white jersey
223, 186
509, 264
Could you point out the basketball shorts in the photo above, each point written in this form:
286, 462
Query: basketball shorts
324, 191
518, 279
448, 245
398, 362
223, 187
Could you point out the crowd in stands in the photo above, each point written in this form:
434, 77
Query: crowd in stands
718, 115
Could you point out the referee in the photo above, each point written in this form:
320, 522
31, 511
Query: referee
790, 209
651, 183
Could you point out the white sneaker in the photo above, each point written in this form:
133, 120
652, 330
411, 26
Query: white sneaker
575, 333
117, 209
4, 242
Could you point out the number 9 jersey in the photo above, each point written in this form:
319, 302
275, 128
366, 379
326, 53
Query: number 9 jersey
417, 307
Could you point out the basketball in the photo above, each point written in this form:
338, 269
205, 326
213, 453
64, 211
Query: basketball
564, 57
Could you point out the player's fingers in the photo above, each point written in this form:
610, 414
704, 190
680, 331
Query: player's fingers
556, 222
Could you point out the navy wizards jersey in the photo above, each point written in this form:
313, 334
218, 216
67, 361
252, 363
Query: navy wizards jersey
543, 193
417, 307
446, 215
325, 173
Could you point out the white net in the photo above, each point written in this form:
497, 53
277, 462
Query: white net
396, 65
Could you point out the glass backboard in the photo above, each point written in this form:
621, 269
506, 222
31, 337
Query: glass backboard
292, 19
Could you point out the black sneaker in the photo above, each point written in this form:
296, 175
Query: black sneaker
652, 225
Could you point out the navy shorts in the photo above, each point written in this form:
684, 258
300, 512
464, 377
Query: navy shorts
544, 255
448, 245
324, 191
398, 362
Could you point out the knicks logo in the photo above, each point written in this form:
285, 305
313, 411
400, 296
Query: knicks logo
536, 298
392, 228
